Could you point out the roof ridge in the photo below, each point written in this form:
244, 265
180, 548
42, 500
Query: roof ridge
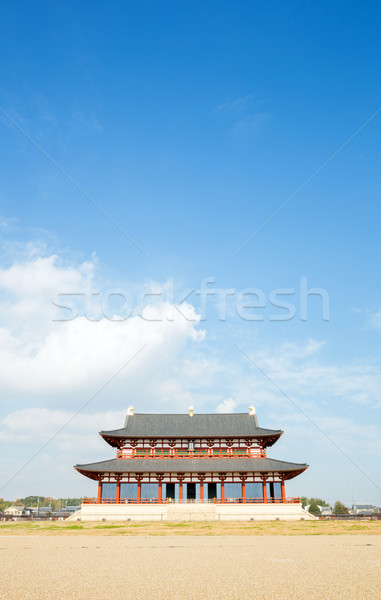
195, 414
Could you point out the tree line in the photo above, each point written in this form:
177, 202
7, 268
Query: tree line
40, 501
314, 503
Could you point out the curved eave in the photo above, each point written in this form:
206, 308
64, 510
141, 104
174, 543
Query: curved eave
203, 465
269, 439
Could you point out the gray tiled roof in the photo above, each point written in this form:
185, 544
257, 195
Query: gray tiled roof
184, 465
200, 425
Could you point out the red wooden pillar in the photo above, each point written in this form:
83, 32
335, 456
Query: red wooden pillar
181, 491
264, 491
243, 491
139, 494
202, 491
283, 491
117, 497
222, 492
99, 491
159, 499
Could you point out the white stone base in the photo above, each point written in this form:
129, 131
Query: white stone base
191, 512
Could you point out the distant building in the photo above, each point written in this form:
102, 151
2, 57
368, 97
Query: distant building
14, 511
45, 510
364, 509
326, 511
38, 511
71, 509
65, 512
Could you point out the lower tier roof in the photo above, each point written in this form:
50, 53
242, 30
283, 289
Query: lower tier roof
192, 465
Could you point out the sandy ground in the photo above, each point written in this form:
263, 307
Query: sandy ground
190, 567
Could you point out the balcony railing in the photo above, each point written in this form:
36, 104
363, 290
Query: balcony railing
198, 453
191, 501
257, 501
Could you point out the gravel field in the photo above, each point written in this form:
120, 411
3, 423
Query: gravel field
190, 567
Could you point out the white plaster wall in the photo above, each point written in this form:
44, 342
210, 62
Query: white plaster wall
191, 512
263, 512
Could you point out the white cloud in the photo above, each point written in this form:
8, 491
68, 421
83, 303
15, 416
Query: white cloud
28, 287
300, 372
43, 358
31, 424
227, 406
78, 352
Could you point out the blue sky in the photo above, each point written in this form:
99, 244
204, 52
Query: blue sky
190, 124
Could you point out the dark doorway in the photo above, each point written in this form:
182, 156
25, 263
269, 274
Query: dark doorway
191, 491
271, 485
171, 491
212, 491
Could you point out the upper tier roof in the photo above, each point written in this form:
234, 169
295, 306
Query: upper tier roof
186, 426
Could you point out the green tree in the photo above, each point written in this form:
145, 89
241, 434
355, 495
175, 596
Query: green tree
32, 500
320, 502
340, 509
41, 501
313, 508
72, 501
4, 504
305, 501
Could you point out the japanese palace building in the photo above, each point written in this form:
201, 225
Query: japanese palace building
191, 466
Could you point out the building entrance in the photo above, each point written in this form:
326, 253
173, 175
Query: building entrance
212, 491
191, 491
171, 491
271, 494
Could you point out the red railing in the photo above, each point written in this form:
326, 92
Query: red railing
124, 501
257, 501
193, 501
228, 453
